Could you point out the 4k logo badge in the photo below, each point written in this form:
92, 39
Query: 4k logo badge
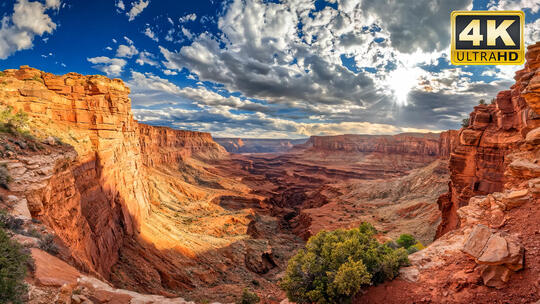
487, 37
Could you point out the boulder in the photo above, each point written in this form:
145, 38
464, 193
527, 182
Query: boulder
515, 198
497, 253
495, 250
495, 275
51, 271
477, 240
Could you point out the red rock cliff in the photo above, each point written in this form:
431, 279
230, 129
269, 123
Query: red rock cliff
95, 195
161, 145
429, 144
478, 161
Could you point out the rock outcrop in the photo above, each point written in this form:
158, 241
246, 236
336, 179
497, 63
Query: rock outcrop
162, 145
95, 194
480, 157
487, 250
405, 143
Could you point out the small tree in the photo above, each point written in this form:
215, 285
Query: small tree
465, 122
248, 297
334, 265
406, 241
13, 267
482, 102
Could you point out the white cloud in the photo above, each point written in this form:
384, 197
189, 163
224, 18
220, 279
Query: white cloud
170, 34
54, 4
188, 17
147, 58
169, 72
126, 39
512, 5
187, 33
126, 51
109, 48
150, 34
150, 88
29, 19
120, 4
137, 8
111, 66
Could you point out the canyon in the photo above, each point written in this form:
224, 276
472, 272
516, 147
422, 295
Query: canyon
146, 214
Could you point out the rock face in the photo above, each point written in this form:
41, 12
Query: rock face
480, 157
95, 195
405, 143
161, 145
257, 145
448, 141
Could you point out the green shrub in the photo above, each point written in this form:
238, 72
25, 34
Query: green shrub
334, 265
465, 122
10, 222
46, 243
248, 297
5, 177
406, 241
16, 124
416, 247
482, 102
13, 267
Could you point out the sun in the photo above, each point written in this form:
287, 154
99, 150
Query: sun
401, 81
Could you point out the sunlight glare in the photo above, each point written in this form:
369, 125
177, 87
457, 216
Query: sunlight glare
401, 81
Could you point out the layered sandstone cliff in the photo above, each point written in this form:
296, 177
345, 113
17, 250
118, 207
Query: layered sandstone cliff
162, 145
405, 143
480, 157
258, 145
95, 194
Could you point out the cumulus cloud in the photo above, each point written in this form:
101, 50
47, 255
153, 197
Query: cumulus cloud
149, 88
147, 58
188, 17
362, 63
120, 5
513, 5
408, 32
169, 72
29, 19
112, 67
150, 34
126, 51
137, 8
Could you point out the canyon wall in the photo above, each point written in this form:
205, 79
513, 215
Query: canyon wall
162, 145
94, 193
257, 145
427, 144
479, 160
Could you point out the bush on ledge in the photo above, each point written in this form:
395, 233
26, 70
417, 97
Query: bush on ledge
334, 265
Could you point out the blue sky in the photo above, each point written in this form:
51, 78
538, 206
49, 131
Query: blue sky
250, 68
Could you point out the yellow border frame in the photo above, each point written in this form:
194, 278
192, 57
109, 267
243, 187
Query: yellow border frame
484, 13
